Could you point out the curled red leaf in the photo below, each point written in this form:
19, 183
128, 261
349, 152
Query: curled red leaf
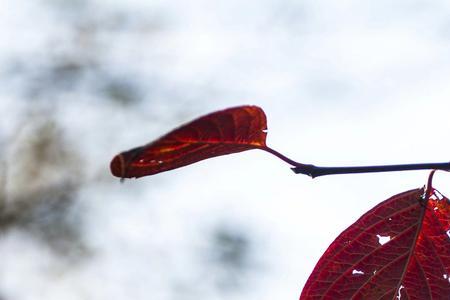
400, 249
223, 132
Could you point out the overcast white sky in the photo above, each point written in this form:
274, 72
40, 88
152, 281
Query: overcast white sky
342, 83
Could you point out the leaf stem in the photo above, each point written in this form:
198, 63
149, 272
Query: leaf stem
429, 190
316, 171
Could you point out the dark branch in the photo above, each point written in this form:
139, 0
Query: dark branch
316, 171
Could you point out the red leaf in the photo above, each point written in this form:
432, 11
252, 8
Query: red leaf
414, 264
224, 132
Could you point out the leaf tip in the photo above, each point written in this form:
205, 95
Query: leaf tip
117, 166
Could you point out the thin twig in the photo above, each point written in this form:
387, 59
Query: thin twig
316, 171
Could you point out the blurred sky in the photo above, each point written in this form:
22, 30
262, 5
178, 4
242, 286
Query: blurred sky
342, 83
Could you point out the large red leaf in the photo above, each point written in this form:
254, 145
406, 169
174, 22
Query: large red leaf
224, 132
413, 264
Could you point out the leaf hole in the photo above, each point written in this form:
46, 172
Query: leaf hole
448, 233
357, 272
438, 195
399, 293
383, 239
447, 277
434, 197
424, 195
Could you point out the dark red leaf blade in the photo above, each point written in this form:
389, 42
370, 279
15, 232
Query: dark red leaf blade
413, 264
223, 132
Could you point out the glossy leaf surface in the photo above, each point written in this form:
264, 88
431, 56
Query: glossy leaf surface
224, 132
400, 249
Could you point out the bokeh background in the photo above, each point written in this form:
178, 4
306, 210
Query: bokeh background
342, 82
